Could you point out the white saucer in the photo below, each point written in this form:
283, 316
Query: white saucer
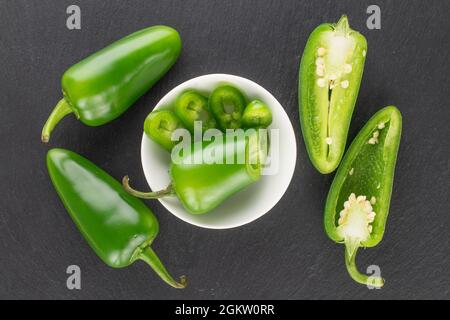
252, 202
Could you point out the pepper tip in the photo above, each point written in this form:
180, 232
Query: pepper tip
45, 138
376, 282
343, 25
183, 282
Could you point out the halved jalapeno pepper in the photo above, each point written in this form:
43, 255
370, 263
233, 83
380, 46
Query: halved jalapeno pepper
227, 105
191, 106
330, 74
358, 202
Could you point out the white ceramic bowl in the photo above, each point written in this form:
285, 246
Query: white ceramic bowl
248, 204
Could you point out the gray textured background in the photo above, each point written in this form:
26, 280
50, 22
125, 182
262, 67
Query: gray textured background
285, 254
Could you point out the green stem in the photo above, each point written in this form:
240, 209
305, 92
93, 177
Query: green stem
150, 257
343, 26
350, 262
145, 195
61, 110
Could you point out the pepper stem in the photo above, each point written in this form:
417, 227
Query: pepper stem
146, 195
150, 257
342, 26
61, 110
350, 262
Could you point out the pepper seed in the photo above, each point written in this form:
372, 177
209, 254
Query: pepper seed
320, 51
345, 84
320, 61
347, 68
329, 140
321, 82
361, 198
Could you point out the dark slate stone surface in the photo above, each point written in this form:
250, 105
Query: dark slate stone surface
285, 254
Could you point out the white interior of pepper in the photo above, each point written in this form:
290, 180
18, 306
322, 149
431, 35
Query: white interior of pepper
356, 218
333, 65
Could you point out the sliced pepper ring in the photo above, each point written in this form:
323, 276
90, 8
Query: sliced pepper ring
227, 104
160, 125
191, 106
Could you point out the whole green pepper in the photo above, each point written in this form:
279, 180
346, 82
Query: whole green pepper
204, 185
101, 87
358, 202
159, 126
330, 75
257, 114
227, 104
118, 227
191, 106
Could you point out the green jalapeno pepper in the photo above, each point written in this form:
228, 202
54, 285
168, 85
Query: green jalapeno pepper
101, 87
191, 106
330, 75
118, 227
159, 126
227, 105
358, 202
257, 115
202, 185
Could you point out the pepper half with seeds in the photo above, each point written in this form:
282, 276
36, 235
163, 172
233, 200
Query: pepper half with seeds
330, 75
358, 202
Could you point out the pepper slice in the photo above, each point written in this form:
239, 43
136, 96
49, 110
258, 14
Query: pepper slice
203, 185
191, 106
227, 104
160, 125
117, 226
101, 87
358, 201
257, 114
330, 75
